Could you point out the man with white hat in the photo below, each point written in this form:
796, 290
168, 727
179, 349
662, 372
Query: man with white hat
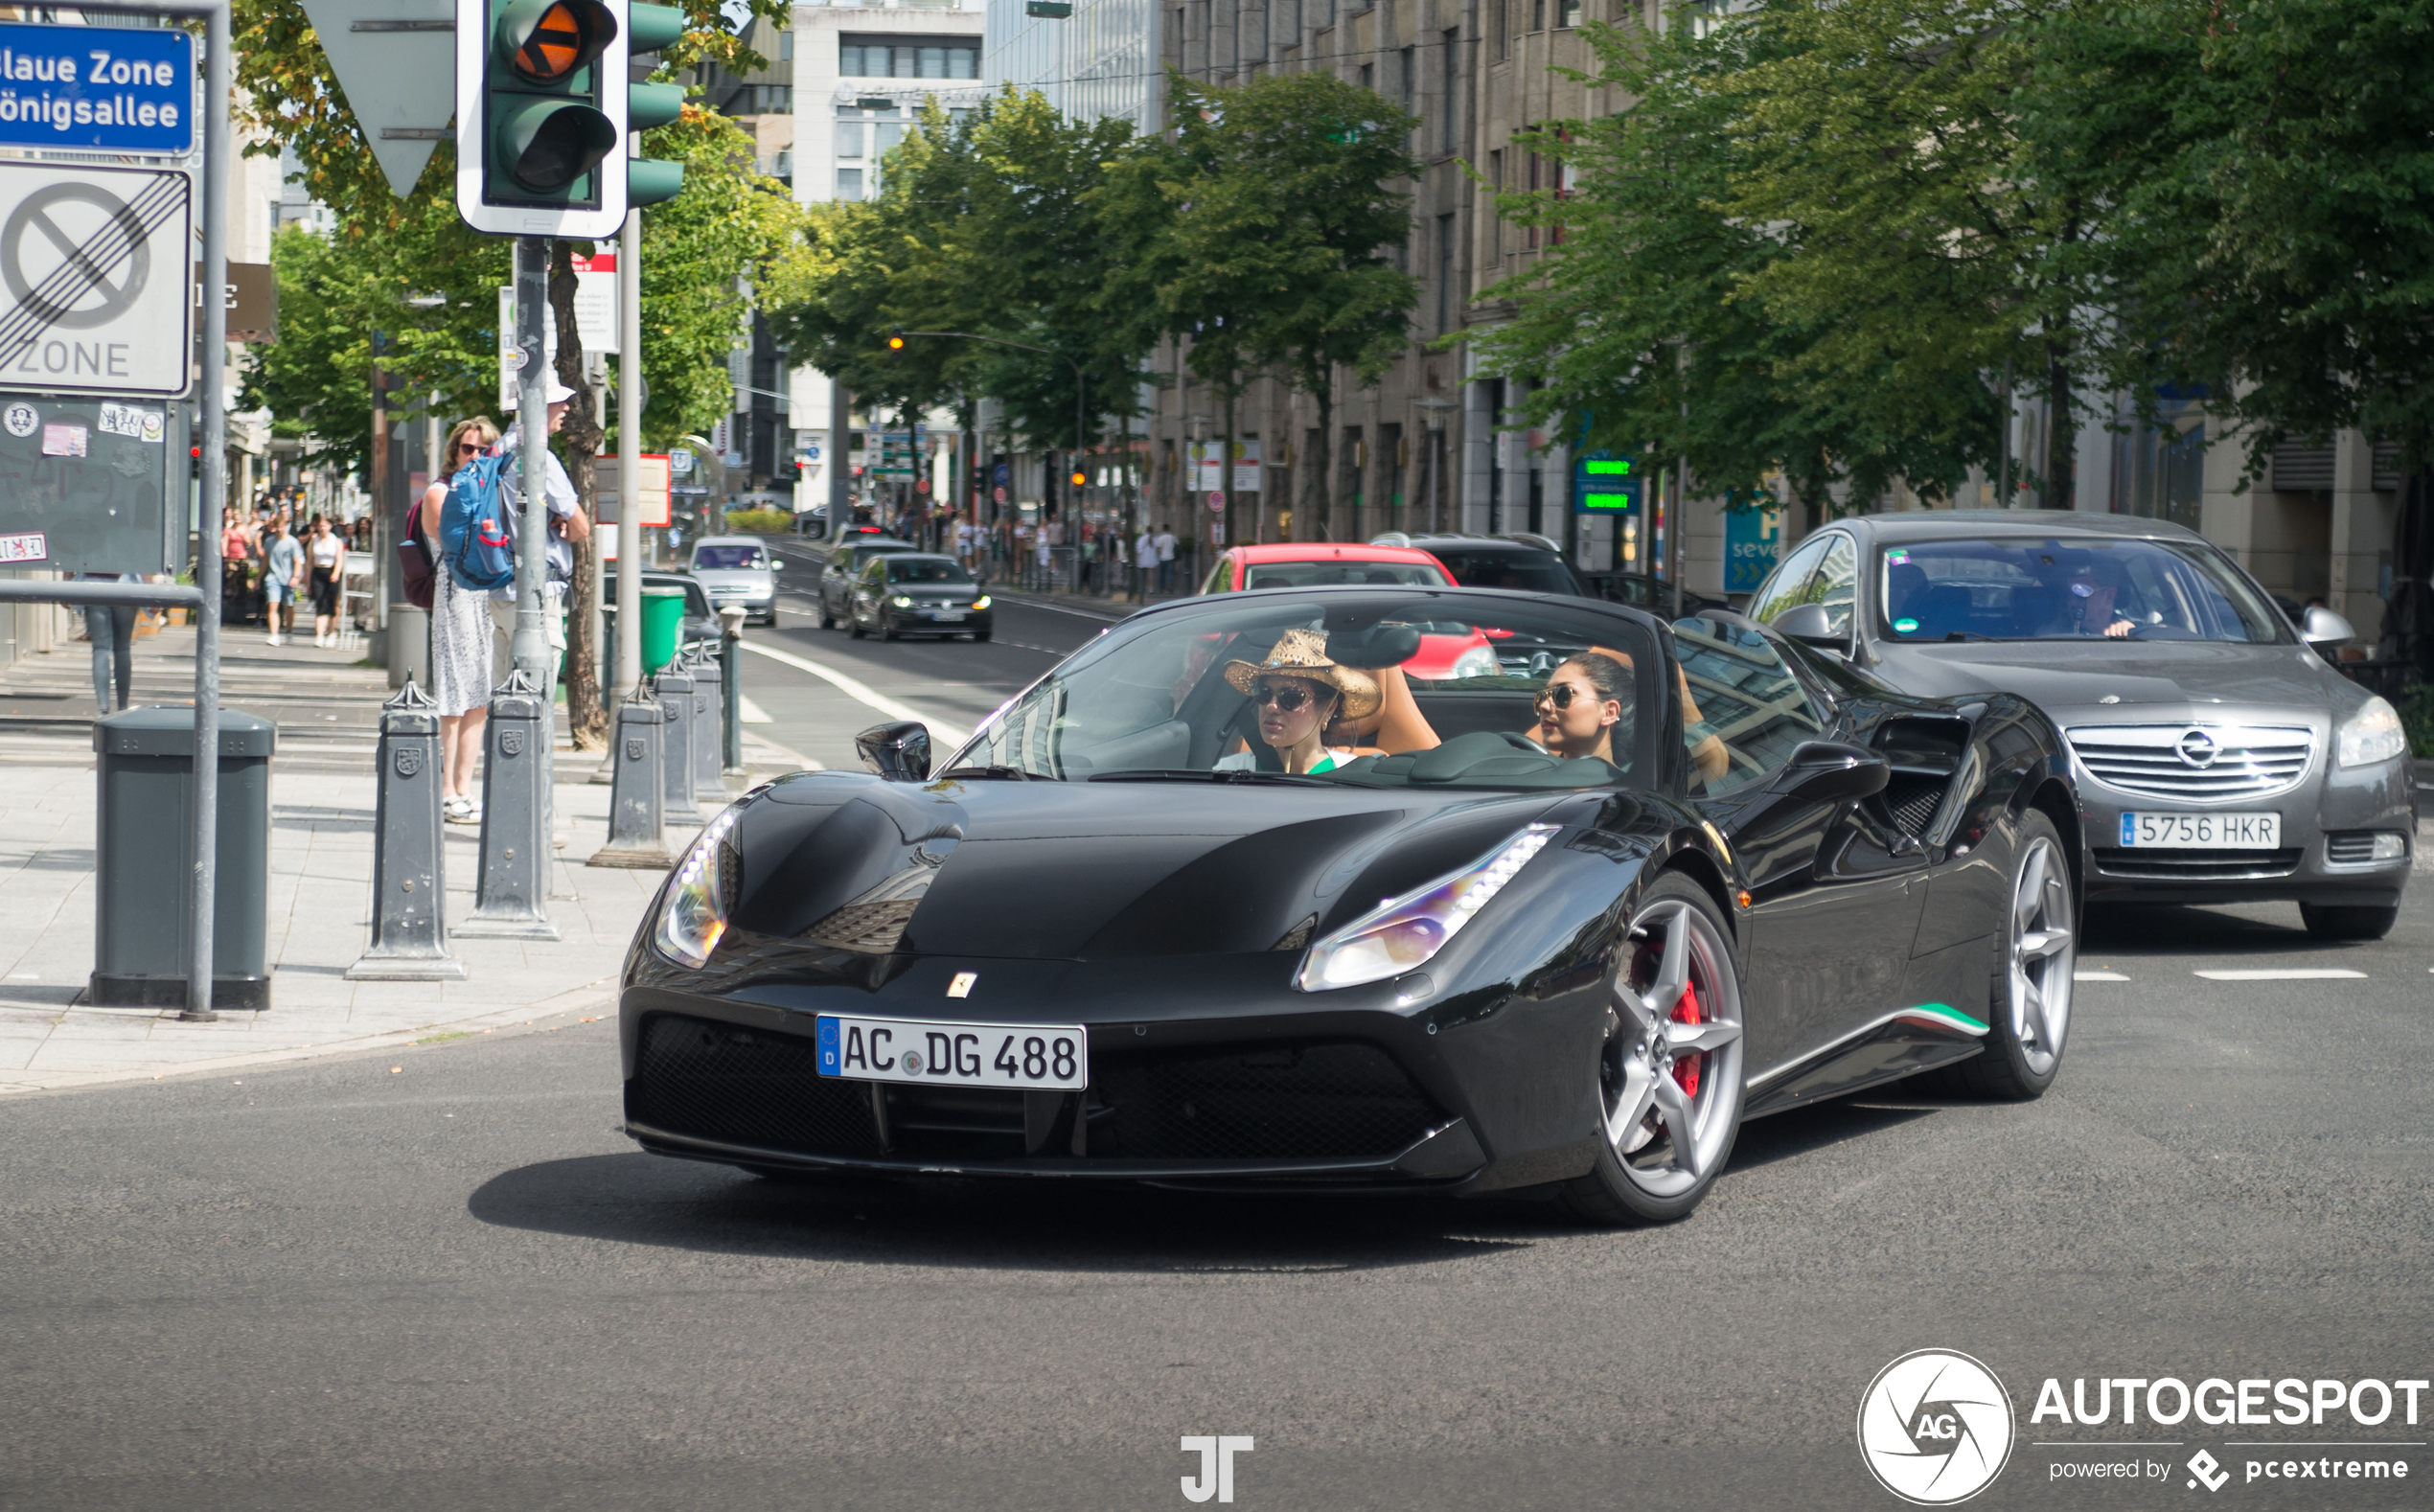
568, 526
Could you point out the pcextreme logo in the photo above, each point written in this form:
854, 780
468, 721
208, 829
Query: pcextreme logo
1935, 1427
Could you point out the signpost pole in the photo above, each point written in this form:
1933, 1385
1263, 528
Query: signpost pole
530, 650
214, 459
630, 458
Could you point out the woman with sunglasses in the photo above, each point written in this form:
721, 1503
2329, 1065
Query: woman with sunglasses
1581, 706
460, 638
1296, 691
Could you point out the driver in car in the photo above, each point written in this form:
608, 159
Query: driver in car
2087, 607
1297, 690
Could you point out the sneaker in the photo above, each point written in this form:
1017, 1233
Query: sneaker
274, 637
461, 811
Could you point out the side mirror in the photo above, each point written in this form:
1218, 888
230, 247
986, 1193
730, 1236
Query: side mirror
1810, 626
2323, 629
900, 752
1827, 771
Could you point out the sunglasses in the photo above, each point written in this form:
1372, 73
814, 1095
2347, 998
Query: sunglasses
1287, 697
1558, 694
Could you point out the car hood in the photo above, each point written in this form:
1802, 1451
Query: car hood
2147, 681
1091, 870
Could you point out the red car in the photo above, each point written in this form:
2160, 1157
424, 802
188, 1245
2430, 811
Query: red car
1318, 564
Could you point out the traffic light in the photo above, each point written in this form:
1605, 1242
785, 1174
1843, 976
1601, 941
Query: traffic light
1078, 479
895, 343
543, 106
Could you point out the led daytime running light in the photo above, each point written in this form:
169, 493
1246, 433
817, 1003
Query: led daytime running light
1402, 933
694, 917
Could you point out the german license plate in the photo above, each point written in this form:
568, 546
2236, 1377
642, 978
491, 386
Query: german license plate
926, 1053
948, 616
2203, 831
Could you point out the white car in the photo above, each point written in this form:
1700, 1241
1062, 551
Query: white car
738, 569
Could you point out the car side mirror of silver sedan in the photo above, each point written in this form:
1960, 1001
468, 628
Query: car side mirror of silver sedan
2321, 628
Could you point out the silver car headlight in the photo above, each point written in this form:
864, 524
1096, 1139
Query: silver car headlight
2371, 735
694, 916
1402, 933
1478, 661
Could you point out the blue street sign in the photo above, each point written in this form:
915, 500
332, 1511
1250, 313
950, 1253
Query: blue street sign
1753, 544
118, 89
1604, 483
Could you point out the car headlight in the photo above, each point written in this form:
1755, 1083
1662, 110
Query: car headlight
1402, 933
2370, 735
902, 602
1477, 662
980, 603
694, 915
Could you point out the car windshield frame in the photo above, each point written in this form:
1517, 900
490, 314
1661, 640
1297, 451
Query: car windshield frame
1519, 558
761, 553
2154, 583
1153, 688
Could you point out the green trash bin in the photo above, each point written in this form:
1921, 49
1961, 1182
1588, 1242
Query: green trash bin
662, 626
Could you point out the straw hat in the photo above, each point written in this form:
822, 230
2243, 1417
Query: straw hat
1303, 654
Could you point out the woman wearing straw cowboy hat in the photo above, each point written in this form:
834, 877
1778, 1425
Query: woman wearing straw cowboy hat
1297, 691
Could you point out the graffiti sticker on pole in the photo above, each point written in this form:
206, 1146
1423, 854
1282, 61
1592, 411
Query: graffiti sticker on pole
94, 280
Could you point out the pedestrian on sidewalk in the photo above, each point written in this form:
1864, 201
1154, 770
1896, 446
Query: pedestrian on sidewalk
281, 579
111, 628
1165, 559
567, 524
1145, 563
460, 638
328, 551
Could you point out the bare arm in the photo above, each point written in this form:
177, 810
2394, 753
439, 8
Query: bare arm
433, 497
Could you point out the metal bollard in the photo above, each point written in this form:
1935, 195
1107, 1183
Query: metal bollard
709, 703
732, 685
511, 895
637, 797
409, 922
674, 687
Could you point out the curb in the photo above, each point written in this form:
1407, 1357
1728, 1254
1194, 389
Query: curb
600, 994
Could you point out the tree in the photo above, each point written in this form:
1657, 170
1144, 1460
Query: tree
1275, 244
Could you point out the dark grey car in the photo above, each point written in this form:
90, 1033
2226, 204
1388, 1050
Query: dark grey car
2217, 755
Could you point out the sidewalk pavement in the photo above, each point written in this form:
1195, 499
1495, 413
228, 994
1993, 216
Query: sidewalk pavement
322, 801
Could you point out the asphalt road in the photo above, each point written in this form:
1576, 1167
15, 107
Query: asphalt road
441, 1278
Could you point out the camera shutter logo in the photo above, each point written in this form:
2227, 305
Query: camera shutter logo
1935, 1427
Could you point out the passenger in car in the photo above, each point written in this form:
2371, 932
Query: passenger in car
1581, 706
1296, 690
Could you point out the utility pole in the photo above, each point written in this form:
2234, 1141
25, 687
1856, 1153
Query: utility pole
530, 648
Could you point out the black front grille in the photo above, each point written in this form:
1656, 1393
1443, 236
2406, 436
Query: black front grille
2196, 865
1280, 1102
747, 1087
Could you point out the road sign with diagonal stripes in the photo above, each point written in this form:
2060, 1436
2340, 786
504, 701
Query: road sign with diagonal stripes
95, 274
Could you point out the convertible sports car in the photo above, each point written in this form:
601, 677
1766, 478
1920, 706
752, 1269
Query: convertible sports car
1232, 897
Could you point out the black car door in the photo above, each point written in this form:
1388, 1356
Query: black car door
1834, 911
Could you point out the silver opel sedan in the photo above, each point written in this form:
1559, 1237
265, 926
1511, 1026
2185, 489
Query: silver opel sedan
2217, 755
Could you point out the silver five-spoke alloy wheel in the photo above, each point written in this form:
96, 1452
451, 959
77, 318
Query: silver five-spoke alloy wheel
1671, 1073
2043, 953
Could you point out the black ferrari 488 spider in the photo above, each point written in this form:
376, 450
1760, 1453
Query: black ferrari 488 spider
1235, 897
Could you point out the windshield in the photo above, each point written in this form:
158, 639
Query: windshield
2069, 588
926, 569
1368, 687
1529, 571
1336, 574
728, 559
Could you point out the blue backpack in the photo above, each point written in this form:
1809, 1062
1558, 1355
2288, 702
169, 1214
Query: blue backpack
477, 530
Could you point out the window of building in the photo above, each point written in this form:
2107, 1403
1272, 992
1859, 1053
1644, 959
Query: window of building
849, 139
1369, 76
849, 183
1538, 15
1568, 13
1499, 28
1444, 273
1449, 110
1529, 232
864, 59
1407, 84
786, 47
1495, 216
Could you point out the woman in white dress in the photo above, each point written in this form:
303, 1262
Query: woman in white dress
460, 638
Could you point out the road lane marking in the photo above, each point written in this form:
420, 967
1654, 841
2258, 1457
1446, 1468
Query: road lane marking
862, 691
2098, 977
751, 712
2286, 973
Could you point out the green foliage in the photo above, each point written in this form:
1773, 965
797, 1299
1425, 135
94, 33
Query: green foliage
2417, 718
760, 521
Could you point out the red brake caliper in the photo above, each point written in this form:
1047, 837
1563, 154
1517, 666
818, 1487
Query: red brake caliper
1685, 1068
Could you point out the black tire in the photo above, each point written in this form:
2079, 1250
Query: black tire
979, 635
2348, 921
1647, 1191
854, 627
887, 630
827, 621
2025, 1038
